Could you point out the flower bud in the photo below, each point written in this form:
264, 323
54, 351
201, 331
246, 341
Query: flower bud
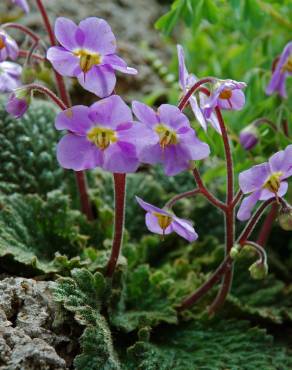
235, 251
259, 270
18, 102
285, 218
249, 137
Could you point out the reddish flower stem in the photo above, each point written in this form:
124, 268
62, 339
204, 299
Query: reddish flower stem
47, 92
185, 99
267, 225
228, 208
23, 29
227, 263
186, 194
80, 175
120, 193
204, 191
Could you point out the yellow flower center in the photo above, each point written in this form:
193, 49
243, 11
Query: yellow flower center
225, 94
102, 137
166, 135
287, 67
2, 43
163, 220
273, 182
87, 59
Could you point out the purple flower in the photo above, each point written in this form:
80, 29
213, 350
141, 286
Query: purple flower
249, 137
8, 47
174, 141
9, 76
226, 94
102, 135
18, 102
265, 181
87, 52
22, 4
162, 222
282, 71
186, 81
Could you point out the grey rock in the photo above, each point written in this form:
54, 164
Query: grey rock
27, 327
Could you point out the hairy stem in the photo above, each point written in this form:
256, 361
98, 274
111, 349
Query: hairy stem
120, 192
229, 218
49, 93
186, 194
80, 176
22, 28
204, 191
185, 99
260, 250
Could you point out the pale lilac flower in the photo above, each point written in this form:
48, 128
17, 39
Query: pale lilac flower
9, 76
102, 135
174, 143
265, 181
18, 102
186, 81
249, 137
163, 222
8, 47
282, 71
87, 52
226, 94
22, 4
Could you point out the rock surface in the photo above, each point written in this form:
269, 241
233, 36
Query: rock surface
28, 327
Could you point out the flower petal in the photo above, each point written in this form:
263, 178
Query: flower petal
193, 148
98, 36
236, 102
267, 194
100, 80
244, 212
77, 153
63, 61
150, 208
172, 116
182, 70
282, 162
185, 229
174, 160
74, 119
145, 114
153, 226
254, 178
151, 154
197, 112
65, 31
121, 158
118, 64
110, 112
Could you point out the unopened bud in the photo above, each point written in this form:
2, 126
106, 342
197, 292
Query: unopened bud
259, 270
249, 137
285, 218
235, 251
18, 102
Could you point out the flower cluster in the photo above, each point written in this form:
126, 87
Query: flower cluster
88, 52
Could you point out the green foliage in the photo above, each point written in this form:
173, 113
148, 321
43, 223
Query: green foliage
33, 230
209, 346
28, 158
83, 295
